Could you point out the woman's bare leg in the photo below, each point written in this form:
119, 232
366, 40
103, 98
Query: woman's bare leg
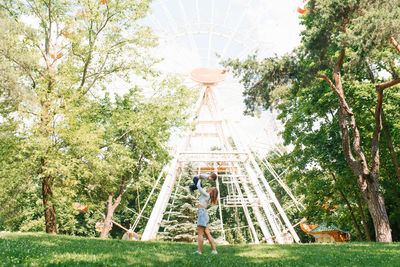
210, 238
200, 239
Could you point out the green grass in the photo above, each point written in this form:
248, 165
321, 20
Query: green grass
42, 249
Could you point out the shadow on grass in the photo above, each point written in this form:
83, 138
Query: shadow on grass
42, 249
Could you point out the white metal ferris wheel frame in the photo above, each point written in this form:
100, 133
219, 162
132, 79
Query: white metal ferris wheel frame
210, 28
257, 190
263, 213
172, 28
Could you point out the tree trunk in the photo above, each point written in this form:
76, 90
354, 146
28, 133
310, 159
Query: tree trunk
47, 190
376, 207
49, 211
367, 180
110, 208
363, 220
109, 213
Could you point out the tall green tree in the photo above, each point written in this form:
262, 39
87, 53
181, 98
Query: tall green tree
337, 54
63, 52
135, 131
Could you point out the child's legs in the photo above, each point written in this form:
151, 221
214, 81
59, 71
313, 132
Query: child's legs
210, 238
192, 187
200, 240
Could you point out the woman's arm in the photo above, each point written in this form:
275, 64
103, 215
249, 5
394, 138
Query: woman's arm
201, 190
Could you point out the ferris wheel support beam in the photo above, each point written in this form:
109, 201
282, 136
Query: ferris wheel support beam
268, 211
264, 200
265, 203
259, 218
153, 224
246, 212
222, 130
282, 213
284, 186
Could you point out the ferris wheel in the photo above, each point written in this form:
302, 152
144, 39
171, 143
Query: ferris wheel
195, 35
202, 33
205, 31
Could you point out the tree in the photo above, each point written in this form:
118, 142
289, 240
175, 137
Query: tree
326, 61
63, 52
180, 219
135, 135
181, 215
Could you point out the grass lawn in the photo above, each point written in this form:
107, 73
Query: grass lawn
41, 249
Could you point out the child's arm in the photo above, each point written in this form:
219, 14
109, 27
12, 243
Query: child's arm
201, 190
204, 175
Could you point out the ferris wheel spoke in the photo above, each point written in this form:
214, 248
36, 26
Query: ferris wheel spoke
156, 22
170, 19
193, 44
198, 12
228, 11
247, 50
234, 32
210, 33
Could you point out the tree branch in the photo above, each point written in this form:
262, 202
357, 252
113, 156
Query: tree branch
89, 57
116, 139
395, 43
378, 124
97, 76
329, 81
384, 85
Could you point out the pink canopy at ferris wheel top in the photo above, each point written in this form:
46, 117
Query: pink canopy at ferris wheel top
208, 75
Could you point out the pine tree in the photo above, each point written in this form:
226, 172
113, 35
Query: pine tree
180, 219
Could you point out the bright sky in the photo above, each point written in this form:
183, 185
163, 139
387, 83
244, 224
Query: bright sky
193, 32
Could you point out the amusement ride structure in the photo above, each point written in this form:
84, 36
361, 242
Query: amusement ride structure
215, 144
233, 162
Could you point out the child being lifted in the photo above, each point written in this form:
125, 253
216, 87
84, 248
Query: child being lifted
209, 176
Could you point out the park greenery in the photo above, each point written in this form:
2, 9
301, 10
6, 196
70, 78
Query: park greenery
67, 135
43, 249
338, 96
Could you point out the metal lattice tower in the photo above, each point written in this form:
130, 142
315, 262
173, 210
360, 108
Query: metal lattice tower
234, 163
192, 33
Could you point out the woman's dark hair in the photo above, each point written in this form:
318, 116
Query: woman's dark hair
213, 195
213, 176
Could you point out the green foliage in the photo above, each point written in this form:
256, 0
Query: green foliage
61, 126
308, 108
